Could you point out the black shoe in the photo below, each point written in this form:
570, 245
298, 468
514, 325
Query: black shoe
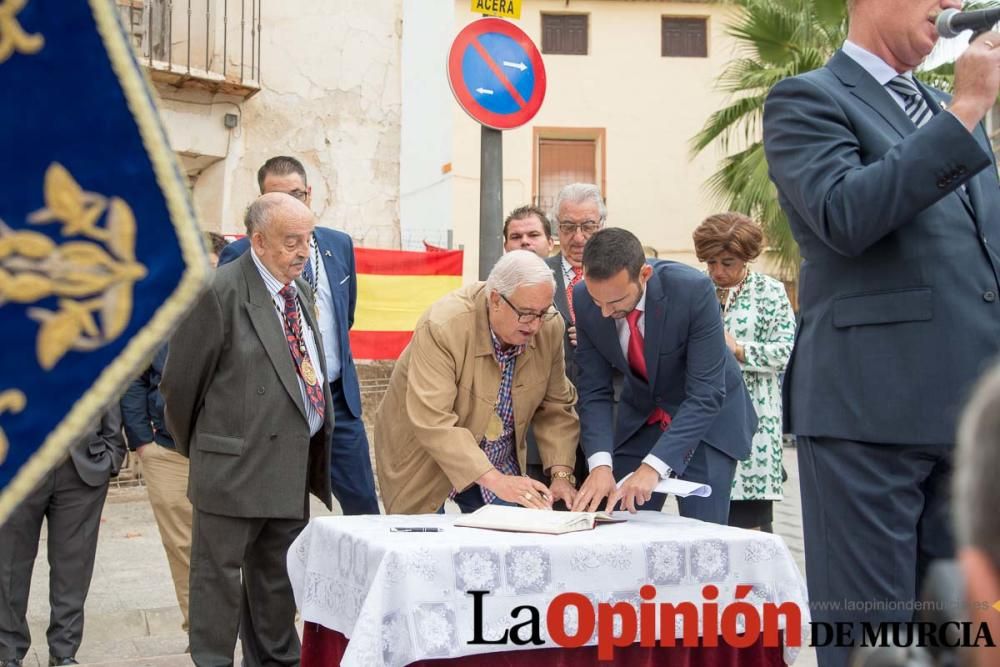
11, 662
53, 660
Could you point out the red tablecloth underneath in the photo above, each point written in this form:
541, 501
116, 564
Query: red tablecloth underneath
324, 648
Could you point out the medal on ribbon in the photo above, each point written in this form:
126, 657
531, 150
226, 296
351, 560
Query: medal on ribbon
308, 372
494, 429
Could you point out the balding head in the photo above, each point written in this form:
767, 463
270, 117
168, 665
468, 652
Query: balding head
280, 226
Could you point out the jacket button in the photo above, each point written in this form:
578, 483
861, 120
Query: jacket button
989, 296
274, 436
260, 391
942, 184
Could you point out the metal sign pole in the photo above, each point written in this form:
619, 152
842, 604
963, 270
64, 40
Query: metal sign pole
490, 199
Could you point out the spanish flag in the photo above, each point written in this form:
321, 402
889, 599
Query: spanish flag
395, 287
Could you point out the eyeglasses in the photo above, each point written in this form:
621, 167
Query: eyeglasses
587, 227
528, 317
299, 194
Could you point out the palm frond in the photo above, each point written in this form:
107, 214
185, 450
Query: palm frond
776, 39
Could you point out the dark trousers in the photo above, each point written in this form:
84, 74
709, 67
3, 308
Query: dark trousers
350, 463
73, 511
708, 466
238, 568
873, 518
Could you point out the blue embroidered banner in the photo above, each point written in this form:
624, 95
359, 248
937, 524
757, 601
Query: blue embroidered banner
100, 254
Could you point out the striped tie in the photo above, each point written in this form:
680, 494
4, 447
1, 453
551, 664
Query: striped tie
916, 106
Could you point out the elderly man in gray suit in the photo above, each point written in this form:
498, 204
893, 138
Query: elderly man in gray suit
70, 498
245, 402
891, 191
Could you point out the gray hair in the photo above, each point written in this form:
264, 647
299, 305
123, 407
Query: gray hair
516, 268
977, 469
579, 193
260, 213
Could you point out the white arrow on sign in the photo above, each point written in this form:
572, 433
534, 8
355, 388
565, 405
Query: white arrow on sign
520, 66
484, 91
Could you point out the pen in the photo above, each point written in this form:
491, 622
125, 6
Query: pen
414, 529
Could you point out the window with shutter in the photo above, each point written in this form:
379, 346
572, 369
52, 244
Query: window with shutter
564, 34
684, 37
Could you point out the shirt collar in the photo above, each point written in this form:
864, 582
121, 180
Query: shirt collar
566, 266
500, 353
273, 284
879, 69
641, 306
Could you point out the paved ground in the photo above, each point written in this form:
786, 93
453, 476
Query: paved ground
132, 618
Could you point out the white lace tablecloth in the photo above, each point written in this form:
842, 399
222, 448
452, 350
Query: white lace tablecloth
401, 597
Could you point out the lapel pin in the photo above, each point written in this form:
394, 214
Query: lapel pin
943, 104
327, 253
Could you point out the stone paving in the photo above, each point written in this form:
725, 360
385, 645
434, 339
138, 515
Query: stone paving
132, 618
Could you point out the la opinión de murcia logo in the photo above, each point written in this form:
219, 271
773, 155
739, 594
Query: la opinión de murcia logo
739, 624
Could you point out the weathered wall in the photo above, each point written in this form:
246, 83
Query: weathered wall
330, 96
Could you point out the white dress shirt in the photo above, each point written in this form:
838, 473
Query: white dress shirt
621, 326
327, 319
273, 287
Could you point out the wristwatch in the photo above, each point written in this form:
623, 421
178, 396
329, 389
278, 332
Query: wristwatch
562, 474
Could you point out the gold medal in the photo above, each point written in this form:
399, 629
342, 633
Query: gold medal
494, 429
308, 372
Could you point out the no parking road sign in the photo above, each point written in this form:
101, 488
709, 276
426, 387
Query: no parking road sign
496, 74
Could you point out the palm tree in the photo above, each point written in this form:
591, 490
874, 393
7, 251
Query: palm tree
777, 39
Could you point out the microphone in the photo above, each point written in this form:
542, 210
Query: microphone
951, 22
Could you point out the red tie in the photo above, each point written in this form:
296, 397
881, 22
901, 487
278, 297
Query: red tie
300, 355
637, 362
577, 277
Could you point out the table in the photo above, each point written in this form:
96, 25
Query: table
401, 597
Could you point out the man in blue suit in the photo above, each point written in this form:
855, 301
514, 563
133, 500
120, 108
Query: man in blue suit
684, 410
333, 282
891, 191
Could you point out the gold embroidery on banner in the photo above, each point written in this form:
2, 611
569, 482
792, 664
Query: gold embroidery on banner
12, 35
93, 277
12, 401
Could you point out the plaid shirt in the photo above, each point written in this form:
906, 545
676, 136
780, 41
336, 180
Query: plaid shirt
500, 452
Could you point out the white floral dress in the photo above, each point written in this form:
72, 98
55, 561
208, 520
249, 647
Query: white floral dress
760, 318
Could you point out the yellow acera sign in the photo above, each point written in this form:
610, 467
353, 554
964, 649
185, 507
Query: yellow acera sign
507, 9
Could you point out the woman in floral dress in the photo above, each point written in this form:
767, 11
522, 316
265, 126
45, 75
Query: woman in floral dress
760, 330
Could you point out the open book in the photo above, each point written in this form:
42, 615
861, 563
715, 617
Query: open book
524, 520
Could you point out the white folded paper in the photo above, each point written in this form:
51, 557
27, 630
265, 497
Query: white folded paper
678, 487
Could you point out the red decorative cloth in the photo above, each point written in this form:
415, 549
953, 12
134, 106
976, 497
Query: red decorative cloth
324, 648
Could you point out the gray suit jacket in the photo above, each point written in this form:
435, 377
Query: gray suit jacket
899, 306
562, 305
99, 454
234, 407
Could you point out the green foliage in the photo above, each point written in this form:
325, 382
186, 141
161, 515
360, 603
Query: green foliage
775, 39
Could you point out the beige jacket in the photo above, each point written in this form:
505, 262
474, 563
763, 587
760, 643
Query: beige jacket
442, 393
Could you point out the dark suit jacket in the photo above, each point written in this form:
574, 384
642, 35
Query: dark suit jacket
899, 309
142, 406
562, 305
234, 407
99, 454
337, 251
694, 376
